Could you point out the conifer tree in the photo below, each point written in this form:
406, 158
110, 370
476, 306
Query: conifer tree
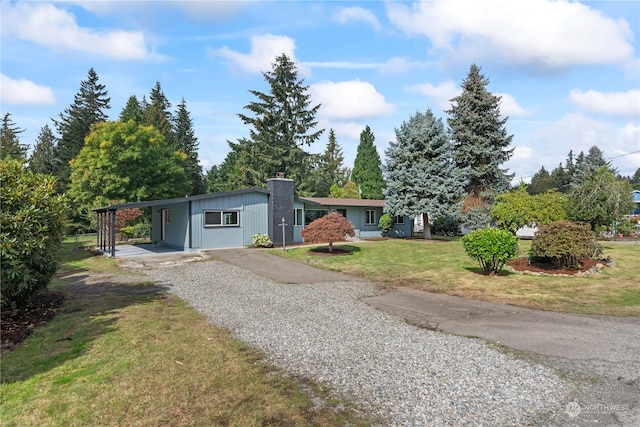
132, 111
540, 182
75, 123
282, 123
421, 178
330, 167
42, 158
367, 167
187, 143
158, 114
480, 144
10, 146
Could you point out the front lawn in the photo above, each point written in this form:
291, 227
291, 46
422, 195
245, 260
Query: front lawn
443, 266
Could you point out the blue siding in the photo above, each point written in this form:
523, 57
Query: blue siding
176, 230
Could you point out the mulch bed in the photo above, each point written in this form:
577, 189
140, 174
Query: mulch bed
324, 251
523, 265
19, 323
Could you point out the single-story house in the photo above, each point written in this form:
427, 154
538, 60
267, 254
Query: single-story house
230, 219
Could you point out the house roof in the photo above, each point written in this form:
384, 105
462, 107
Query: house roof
636, 196
178, 200
329, 201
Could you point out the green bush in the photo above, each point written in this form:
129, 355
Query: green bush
492, 247
385, 223
32, 223
563, 243
261, 241
448, 225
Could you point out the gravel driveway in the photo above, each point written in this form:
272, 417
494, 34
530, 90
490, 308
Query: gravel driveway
403, 374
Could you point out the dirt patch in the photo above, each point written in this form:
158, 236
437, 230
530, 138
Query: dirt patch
524, 265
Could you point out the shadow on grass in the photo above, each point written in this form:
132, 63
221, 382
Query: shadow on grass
480, 270
90, 310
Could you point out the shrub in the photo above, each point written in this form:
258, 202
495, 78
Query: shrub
32, 222
448, 225
385, 224
492, 247
563, 243
332, 227
261, 241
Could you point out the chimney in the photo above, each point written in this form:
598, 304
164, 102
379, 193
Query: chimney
280, 206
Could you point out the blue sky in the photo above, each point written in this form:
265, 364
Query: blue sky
568, 72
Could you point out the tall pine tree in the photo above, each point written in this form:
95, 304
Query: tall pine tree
158, 113
187, 143
10, 146
282, 123
330, 167
421, 177
481, 146
132, 111
75, 123
42, 158
367, 167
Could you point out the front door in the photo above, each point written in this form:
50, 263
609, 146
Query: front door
164, 220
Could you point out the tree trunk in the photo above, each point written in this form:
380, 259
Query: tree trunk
330, 246
425, 226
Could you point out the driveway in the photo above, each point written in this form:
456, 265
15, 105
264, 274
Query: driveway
601, 354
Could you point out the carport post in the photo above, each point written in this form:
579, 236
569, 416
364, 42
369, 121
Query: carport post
113, 233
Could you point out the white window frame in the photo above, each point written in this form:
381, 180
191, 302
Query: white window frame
399, 219
369, 217
298, 216
225, 216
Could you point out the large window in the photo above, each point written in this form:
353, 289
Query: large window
221, 218
370, 217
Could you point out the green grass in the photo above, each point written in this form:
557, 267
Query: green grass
443, 266
116, 357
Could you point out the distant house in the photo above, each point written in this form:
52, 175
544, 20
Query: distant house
229, 219
636, 199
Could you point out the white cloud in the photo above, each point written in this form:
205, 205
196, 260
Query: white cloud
538, 33
350, 14
398, 65
441, 94
44, 24
614, 104
353, 99
264, 50
510, 107
26, 92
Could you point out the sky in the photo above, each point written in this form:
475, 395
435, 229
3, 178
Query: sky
568, 72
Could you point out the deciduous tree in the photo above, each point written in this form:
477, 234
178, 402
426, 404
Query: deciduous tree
367, 167
331, 228
421, 178
128, 162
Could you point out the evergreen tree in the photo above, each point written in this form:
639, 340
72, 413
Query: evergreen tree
540, 182
132, 111
42, 159
587, 164
480, 144
75, 123
158, 114
282, 123
421, 178
559, 179
330, 168
187, 143
635, 180
367, 167
10, 147
227, 176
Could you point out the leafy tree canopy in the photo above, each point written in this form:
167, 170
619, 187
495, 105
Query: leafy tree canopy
331, 228
129, 162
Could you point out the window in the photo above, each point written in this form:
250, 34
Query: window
342, 212
311, 215
370, 217
298, 217
221, 218
399, 219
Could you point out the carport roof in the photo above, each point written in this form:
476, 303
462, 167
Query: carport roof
150, 203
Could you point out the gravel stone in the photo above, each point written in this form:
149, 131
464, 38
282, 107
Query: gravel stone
402, 374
